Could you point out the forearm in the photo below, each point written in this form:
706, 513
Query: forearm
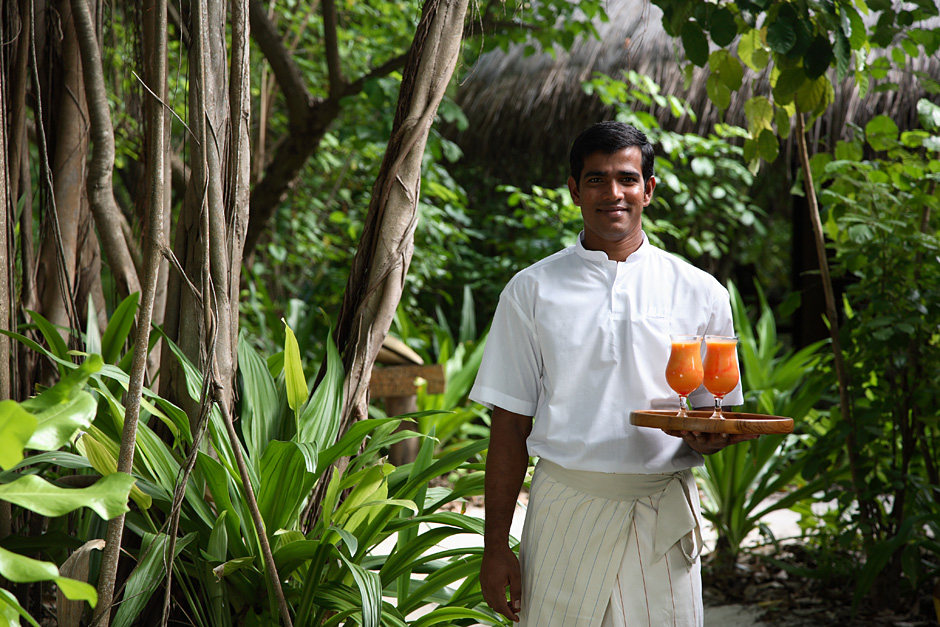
506, 464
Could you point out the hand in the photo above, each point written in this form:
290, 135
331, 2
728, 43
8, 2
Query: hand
708, 443
499, 570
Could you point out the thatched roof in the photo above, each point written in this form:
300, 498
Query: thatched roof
523, 111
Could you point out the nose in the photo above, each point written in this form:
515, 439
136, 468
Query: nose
614, 190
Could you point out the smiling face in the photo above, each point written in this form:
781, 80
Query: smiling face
612, 194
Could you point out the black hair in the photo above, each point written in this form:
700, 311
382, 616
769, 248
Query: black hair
608, 138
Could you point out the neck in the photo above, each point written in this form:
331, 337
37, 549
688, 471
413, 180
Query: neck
616, 250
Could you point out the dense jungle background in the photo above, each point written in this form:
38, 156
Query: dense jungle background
223, 220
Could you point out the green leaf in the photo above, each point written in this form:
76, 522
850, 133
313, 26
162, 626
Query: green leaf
728, 69
16, 427
64, 408
107, 496
767, 145
718, 92
787, 83
76, 590
782, 118
261, 406
370, 591
287, 473
722, 26
818, 57
147, 576
814, 96
105, 462
759, 112
319, 422
293, 371
752, 52
694, 43
51, 334
12, 611
119, 327
781, 33
929, 114
881, 132
21, 569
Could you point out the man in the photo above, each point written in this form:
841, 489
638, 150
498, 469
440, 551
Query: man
580, 339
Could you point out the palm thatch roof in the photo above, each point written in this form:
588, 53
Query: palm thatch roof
523, 111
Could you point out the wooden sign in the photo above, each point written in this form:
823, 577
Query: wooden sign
400, 380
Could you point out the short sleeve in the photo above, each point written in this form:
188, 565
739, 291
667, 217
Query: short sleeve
510, 372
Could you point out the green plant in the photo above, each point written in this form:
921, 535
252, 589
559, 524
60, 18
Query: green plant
742, 483
882, 220
43, 425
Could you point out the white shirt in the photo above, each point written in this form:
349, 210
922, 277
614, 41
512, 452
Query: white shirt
579, 341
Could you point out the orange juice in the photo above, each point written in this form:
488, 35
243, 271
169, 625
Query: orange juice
721, 365
684, 370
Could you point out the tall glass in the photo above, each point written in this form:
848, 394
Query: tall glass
684, 369
721, 368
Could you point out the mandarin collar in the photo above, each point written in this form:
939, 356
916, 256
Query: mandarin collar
600, 257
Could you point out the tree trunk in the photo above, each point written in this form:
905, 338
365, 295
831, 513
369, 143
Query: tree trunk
867, 509
384, 253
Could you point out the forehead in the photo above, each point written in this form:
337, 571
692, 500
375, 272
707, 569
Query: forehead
624, 160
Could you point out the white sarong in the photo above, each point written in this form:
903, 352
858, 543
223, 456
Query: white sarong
611, 550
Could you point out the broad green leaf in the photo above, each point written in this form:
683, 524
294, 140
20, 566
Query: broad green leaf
781, 32
11, 611
147, 576
319, 421
56, 425
767, 145
752, 52
722, 26
447, 616
370, 591
694, 43
52, 336
818, 57
728, 68
232, 565
293, 371
287, 473
16, 427
21, 569
782, 118
814, 96
718, 92
759, 112
881, 132
260, 403
119, 326
105, 462
787, 83
107, 497
929, 114
76, 590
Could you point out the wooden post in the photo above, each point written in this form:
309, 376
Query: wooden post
397, 383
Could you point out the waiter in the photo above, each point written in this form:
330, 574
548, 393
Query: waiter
578, 341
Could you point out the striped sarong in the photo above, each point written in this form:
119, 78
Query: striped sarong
611, 550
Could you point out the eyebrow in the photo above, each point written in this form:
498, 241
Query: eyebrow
619, 173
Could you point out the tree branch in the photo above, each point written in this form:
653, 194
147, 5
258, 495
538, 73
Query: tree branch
288, 75
331, 41
108, 216
153, 243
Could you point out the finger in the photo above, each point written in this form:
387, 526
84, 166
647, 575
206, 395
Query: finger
515, 593
498, 602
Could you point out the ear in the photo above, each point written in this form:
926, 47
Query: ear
573, 190
648, 192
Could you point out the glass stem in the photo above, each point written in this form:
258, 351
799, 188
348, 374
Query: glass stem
718, 413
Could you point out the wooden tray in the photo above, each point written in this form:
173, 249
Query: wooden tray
699, 420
